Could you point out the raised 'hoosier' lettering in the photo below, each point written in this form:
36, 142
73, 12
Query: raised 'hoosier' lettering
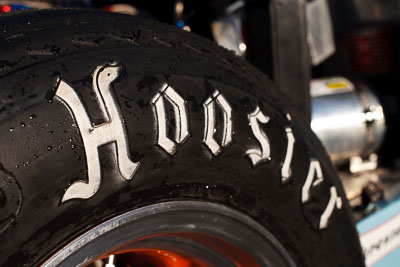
210, 123
113, 131
94, 136
334, 199
168, 94
256, 155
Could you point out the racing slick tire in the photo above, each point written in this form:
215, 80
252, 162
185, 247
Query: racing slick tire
127, 141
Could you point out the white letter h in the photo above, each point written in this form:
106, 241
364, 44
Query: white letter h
94, 136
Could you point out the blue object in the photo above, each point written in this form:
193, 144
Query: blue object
12, 7
380, 236
18, 7
180, 24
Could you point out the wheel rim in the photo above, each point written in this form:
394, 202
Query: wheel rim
175, 234
151, 258
178, 249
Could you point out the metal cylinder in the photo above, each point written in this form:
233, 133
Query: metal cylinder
347, 118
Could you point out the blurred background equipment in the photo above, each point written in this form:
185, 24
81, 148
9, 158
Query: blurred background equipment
349, 120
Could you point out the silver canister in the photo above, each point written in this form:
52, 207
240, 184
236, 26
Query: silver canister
348, 118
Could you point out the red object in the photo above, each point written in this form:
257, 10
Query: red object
107, 8
370, 51
158, 258
5, 9
130, 256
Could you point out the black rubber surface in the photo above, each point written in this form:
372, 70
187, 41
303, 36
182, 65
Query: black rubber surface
41, 151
